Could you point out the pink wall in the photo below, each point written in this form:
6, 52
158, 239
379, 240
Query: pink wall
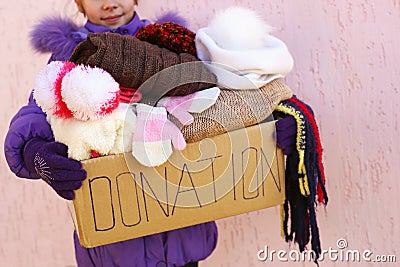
346, 67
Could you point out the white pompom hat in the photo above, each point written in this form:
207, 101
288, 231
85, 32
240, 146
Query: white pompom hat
240, 42
66, 90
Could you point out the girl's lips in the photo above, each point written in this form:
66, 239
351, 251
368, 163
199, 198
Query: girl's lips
112, 18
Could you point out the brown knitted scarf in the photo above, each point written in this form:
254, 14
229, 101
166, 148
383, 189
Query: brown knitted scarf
235, 109
131, 62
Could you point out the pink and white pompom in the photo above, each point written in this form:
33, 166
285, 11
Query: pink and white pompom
66, 90
90, 93
45, 92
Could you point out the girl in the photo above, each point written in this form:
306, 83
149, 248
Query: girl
31, 151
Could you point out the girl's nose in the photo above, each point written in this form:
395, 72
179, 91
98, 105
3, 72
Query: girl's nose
109, 4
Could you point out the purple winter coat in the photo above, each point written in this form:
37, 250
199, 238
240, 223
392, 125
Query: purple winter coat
173, 248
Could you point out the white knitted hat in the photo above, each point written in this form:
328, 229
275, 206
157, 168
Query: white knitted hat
236, 66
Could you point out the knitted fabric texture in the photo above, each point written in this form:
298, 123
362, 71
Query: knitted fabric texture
129, 95
235, 109
305, 177
132, 61
169, 35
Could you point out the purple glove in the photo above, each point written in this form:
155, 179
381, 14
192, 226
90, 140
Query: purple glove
50, 161
286, 132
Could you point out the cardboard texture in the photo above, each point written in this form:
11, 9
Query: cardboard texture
222, 176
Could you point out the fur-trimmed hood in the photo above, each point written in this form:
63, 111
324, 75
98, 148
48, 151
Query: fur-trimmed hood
56, 35
59, 36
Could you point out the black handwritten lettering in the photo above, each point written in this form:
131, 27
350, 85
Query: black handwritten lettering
128, 199
136, 208
212, 159
104, 221
185, 167
277, 180
245, 165
165, 211
233, 177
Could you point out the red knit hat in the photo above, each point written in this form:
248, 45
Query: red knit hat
169, 35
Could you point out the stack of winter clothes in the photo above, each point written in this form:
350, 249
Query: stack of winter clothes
167, 86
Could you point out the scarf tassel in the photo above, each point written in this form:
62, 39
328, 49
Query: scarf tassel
304, 177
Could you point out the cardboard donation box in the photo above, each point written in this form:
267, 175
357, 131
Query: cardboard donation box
218, 177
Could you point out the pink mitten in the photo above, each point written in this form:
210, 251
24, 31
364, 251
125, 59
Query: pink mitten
181, 106
154, 136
